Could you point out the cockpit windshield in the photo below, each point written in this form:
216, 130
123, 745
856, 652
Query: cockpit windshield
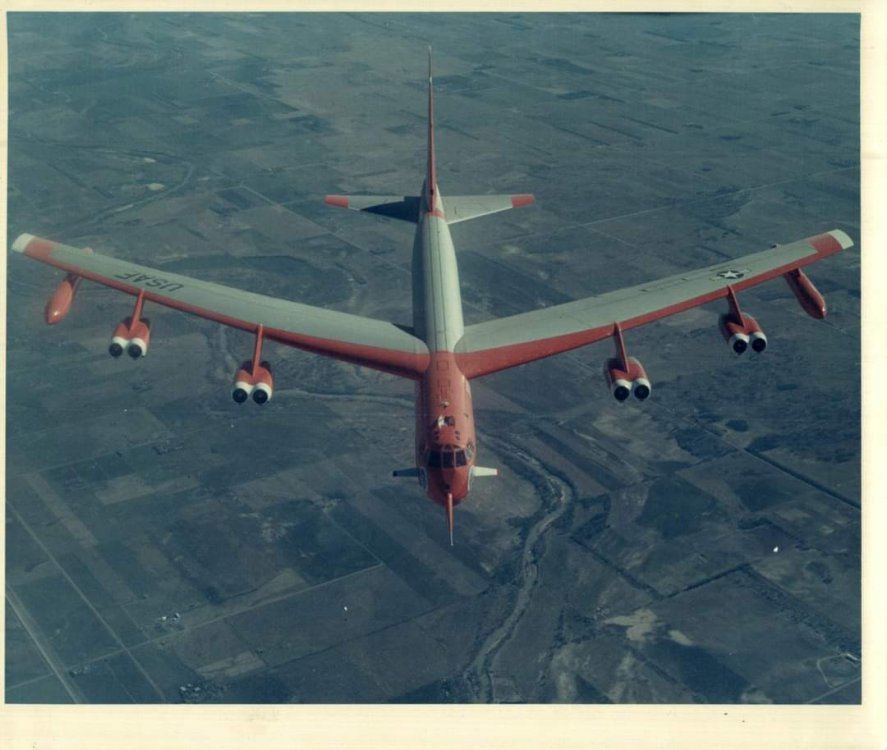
446, 459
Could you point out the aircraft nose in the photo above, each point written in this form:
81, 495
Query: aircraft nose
448, 481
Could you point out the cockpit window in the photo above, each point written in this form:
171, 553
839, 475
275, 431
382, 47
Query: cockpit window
446, 459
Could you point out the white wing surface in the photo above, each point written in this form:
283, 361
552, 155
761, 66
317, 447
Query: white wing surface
364, 341
499, 344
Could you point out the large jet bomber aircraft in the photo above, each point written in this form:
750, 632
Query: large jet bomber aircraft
439, 353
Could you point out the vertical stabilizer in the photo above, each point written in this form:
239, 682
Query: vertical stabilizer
431, 173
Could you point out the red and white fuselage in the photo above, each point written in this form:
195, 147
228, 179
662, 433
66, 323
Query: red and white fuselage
446, 442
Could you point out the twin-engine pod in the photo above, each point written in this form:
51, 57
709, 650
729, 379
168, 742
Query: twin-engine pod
623, 383
259, 383
742, 335
133, 339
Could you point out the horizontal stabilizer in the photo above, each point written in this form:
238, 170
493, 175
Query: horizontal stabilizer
484, 471
464, 207
403, 207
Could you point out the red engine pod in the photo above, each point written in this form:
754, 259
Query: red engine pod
623, 383
139, 338
120, 339
59, 305
132, 339
741, 335
618, 380
756, 337
734, 334
808, 296
264, 384
243, 383
640, 384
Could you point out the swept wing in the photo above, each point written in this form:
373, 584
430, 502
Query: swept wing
364, 341
499, 344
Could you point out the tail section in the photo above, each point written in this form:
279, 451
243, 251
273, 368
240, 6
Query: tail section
409, 208
431, 172
464, 207
406, 207
403, 207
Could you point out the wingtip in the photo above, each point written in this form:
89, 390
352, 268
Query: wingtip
21, 242
524, 199
340, 201
842, 237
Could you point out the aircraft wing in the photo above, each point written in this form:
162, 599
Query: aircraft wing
364, 341
499, 344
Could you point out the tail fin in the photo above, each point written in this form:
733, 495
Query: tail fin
431, 173
404, 207
408, 208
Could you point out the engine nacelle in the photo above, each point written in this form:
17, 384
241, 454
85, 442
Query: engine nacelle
259, 385
132, 339
243, 383
264, 384
742, 335
140, 337
120, 340
623, 383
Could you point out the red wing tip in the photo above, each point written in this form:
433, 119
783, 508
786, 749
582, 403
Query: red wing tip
842, 238
831, 242
337, 200
525, 199
21, 242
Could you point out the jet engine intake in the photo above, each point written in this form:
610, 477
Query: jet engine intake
740, 336
259, 385
243, 383
132, 339
264, 384
140, 338
623, 383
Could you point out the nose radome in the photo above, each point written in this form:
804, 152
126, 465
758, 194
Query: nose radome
449, 481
